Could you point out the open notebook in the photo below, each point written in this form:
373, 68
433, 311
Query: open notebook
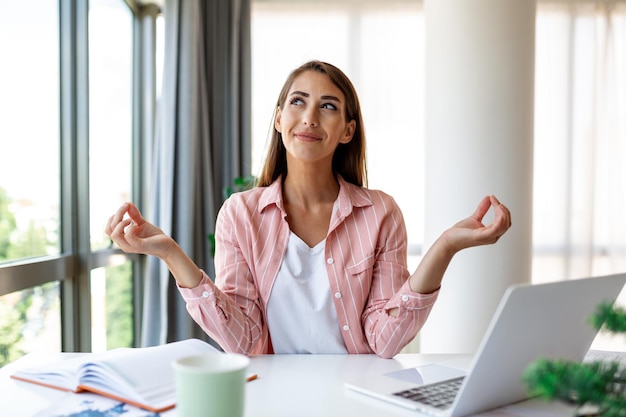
142, 377
531, 321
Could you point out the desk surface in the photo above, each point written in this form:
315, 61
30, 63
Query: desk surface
288, 386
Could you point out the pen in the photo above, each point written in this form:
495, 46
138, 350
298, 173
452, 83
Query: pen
252, 377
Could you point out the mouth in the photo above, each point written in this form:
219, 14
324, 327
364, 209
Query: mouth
307, 136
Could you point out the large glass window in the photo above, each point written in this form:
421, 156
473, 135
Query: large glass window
112, 307
110, 111
29, 130
30, 320
29, 170
110, 156
580, 144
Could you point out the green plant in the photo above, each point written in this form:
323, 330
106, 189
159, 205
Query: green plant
239, 184
595, 385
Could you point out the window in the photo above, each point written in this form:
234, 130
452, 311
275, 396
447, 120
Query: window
29, 126
580, 144
110, 112
110, 156
580, 140
29, 172
69, 132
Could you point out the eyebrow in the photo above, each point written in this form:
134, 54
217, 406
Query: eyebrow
302, 93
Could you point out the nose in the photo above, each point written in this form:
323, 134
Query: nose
311, 117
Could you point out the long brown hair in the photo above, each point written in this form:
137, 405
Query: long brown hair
349, 158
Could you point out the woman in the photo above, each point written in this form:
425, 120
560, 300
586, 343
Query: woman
311, 261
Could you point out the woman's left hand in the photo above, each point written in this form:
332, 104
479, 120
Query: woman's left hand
472, 232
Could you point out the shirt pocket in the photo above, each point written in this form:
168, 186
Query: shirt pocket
362, 270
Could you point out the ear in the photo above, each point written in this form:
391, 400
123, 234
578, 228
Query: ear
277, 124
349, 132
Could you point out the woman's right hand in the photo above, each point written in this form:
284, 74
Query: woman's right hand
134, 234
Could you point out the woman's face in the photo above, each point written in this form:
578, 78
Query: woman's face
312, 121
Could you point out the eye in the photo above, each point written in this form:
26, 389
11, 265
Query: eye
329, 106
296, 101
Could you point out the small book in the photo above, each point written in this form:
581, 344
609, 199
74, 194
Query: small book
142, 377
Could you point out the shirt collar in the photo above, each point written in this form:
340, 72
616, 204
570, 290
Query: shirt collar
350, 196
272, 195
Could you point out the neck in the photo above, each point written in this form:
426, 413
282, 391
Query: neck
308, 189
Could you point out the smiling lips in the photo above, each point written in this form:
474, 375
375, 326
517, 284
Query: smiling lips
307, 136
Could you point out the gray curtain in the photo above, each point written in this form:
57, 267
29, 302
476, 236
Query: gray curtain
202, 142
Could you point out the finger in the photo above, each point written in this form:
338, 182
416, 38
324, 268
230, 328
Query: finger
125, 240
115, 219
499, 208
482, 208
135, 214
119, 214
118, 233
506, 214
108, 228
502, 220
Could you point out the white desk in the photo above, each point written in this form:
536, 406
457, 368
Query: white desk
288, 386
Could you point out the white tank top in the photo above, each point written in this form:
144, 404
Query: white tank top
301, 315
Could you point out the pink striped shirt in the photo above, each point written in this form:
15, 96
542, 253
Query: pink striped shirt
366, 261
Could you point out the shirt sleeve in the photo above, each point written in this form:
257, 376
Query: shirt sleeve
388, 335
228, 310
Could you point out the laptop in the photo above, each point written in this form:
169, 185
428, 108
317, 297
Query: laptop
532, 321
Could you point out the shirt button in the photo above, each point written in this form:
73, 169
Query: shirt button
405, 297
329, 261
337, 295
346, 327
205, 294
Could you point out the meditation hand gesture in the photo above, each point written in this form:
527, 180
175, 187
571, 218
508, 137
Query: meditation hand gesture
472, 232
134, 234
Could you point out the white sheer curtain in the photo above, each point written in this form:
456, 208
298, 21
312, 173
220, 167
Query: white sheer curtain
580, 140
580, 117
380, 46
579, 215
579, 218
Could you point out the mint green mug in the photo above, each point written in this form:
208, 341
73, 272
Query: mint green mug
210, 385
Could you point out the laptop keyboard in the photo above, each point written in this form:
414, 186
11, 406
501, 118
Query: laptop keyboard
439, 395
